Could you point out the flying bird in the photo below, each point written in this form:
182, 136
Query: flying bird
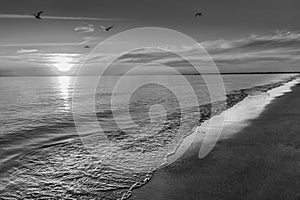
86, 47
198, 14
38, 15
106, 29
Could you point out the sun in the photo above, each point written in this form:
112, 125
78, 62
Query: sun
63, 62
63, 66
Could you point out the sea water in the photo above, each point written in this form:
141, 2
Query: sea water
42, 155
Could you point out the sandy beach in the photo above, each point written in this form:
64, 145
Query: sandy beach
261, 161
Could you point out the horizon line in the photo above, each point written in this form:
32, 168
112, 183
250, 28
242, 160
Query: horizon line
223, 73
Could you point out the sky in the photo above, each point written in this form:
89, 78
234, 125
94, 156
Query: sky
257, 35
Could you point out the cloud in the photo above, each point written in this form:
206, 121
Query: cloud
276, 52
59, 17
280, 49
35, 57
89, 40
39, 63
281, 46
39, 44
27, 50
281, 39
51, 58
85, 40
85, 29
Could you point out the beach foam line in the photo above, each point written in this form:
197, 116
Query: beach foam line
230, 121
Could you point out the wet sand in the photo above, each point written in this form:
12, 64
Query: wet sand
262, 161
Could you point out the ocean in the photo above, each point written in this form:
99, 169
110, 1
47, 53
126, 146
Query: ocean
44, 154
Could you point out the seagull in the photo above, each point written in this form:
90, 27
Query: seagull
86, 47
38, 15
106, 29
198, 14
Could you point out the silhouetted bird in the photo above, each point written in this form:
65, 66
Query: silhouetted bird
38, 15
86, 47
106, 29
198, 14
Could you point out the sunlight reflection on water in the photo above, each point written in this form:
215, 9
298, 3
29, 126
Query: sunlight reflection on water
64, 86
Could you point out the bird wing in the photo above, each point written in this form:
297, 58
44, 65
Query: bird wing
39, 13
110, 27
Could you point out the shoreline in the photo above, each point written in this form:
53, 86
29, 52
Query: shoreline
157, 179
207, 111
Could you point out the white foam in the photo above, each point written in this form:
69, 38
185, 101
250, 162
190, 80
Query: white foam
235, 119
238, 117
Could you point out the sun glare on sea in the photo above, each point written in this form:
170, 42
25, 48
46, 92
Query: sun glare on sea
63, 85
